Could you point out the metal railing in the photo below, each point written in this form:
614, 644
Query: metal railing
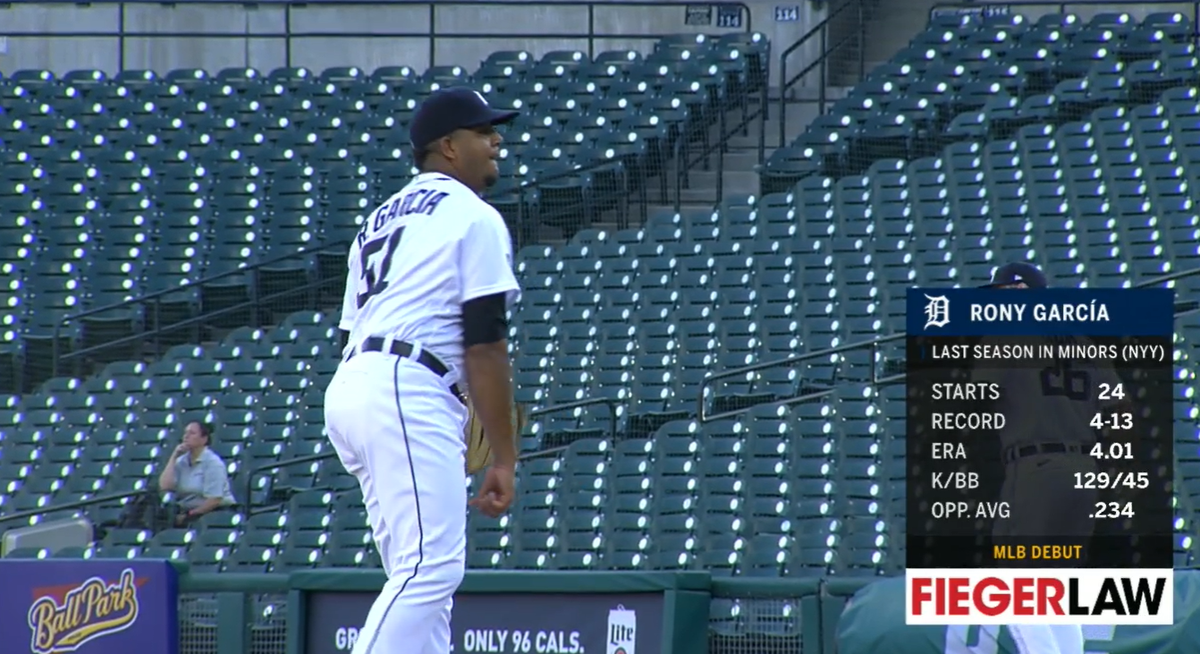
855, 10
611, 404
574, 197
431, 30
1016, 7
873, 346
107, 498
150, 304
685, 161
824, 32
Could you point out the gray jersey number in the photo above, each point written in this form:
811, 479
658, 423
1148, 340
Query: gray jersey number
1061, 380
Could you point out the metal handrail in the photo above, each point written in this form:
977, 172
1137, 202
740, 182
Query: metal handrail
720, 145
611, 403
300, 255
255, 301
206, 280
873, 344
58, 357
1059, 7
534, 182
779, 363
432, 32
309, 458
821, 30
70, 506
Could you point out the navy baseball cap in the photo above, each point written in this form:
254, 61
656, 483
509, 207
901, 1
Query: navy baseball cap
1016, 273
446, 110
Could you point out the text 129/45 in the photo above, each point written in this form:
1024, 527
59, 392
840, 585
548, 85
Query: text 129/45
1104, 480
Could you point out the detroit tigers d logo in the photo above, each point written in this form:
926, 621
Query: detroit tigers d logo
937, 311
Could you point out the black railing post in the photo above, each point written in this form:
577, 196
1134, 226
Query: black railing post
823, 71
680, 163
121, 35
522, 225
591, 30
157, 310
765, 104
721, 145
644, 200
862, 40
820, 30
287, 32
54, 347
433, 34
783, 91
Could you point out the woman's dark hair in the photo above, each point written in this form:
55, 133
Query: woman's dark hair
206, 429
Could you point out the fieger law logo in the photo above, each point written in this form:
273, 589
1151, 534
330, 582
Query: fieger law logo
88, 611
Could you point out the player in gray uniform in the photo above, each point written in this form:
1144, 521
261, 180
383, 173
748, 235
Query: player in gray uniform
1046, 440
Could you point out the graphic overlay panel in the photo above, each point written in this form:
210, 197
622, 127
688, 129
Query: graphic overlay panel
1040, 429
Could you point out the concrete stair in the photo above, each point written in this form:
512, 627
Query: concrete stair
893, 26
738, 169
890, 28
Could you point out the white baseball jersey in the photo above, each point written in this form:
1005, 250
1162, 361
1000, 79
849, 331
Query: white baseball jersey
1051, 404
423, 253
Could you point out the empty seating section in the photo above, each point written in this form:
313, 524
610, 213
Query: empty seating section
1074, 145
118, 187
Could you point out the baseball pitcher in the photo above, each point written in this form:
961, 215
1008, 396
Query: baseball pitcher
430, 280
1047, 440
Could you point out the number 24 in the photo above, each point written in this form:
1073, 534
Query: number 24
375, 277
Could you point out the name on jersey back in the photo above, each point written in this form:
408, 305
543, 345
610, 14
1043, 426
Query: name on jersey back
421, 200
997, 351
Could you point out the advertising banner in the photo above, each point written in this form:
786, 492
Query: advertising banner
873, 620
89, 606
509, 623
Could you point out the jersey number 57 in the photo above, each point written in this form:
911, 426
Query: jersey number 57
1060, 380
375, 276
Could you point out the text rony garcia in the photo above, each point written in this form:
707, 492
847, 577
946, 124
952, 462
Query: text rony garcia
1040, 312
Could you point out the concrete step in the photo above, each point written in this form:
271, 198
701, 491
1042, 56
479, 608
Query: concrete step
743, 160
702, 184
805, 93
797, 116
893, 27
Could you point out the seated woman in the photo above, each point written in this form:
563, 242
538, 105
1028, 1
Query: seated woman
196, 475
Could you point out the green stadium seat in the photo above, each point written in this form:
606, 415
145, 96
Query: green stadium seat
1065, 141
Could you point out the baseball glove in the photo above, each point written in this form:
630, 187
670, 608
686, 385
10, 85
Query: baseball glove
479, 451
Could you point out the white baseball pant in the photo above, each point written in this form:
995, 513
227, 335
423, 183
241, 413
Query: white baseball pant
1043, 501
1047, 639
397, 427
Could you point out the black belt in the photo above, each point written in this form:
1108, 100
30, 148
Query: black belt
404, 351
1015, 453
